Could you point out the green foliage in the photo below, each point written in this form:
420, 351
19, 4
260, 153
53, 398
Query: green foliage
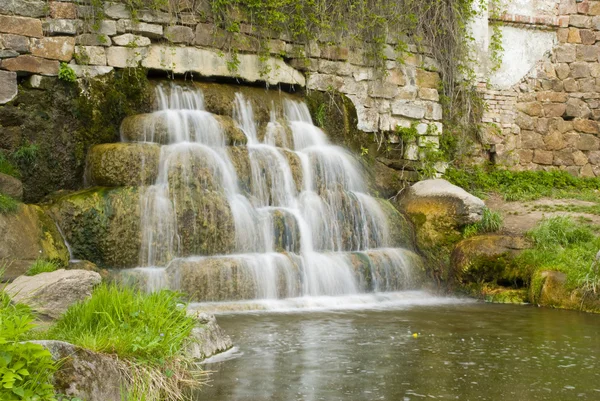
320, 115
128, 323
560, 231
523, 185
7, 167
66, 73
26, 154
42, 266
491, 222
26, 369
8, 204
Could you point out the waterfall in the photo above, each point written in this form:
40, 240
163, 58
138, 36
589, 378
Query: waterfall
302, 220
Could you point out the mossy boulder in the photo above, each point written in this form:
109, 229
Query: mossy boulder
488, 258
27, 235
11, 186
552, 288
154, 127
504, 295
123, 164
400, 230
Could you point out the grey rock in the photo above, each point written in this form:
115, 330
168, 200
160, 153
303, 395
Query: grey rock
61, 26
207, 338
25, 8
179, 34
92, 39
52, 293
129, 39
5, 53
11, 186
17, 43
90, 71
8, 86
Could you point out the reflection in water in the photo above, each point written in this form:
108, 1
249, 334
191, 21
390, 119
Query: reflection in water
463, 352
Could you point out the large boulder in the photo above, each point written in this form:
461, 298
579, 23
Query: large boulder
51, 294
487, 258
87, 375
27, 235
207, 338
11, 186
123, 164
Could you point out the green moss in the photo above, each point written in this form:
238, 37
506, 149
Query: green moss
42, 266
8, 204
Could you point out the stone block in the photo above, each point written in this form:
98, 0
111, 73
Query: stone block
594, 157
566, 53
8, 86
434, 111
587, 53
580, 69
579, 158
555, 97
90, 71
179, 34
368, 119
577, 108
567, 7
588, 37
93, 39
595, 70
335, 67
116, 11
334, 53
4, 53
131, 40
594, 8
588, 142
410, 110
587, 171
411, 152
564, 157
543, 157
105, 27
587, 126
525, 156
563, 35
427, 79
587, 85
25, 8
351, 87
90, 55
123, 57
380, 89
324, 81
524, 121
62, 26
531, 140
27, 63
63, 10
55, 48
396, 77
562, 70
363, 74
530, 108
580, 21
21, 26
17, 43
554, 141
554, 109
428, 140
573, 36
541, 125
570, 85
429, 94
152, 31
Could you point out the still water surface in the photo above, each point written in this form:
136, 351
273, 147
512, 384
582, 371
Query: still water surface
463, 351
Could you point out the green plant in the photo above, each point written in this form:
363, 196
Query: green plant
128, 323
320, 115
26, 368
8, 204
42, 266
6, 167
66, 73
27, 153
560, 231
491, 222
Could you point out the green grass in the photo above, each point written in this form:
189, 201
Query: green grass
6, 167
8, 204
524, 185
128, 323
27, 153
564, 245
42, 266
491, 222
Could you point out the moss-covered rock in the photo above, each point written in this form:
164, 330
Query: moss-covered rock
29, 234
551, 288
123, 164
400, 230
488, 258
504, 295
11, 186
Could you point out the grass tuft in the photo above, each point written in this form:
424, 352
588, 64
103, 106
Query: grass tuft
42, 266
6, 167
491, 222
8, 204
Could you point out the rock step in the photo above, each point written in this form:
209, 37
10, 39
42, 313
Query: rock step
137, 164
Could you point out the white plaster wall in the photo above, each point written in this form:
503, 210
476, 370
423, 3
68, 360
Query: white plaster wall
523, 48
531, 8
479, 30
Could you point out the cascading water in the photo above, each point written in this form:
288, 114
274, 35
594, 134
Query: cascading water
304, 225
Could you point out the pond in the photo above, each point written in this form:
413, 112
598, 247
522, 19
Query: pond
462, 350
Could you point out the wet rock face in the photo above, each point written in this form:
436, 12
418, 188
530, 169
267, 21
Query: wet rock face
51, 294
29, 234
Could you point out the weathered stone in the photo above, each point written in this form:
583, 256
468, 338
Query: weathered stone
8, 86
29, 234
531, 108
335, 67
140, 28
63, 10
556, 97
380, 89
542, 156
587, 126
11, 186
123, 164
524, 121
579, 158
334, 53
27, 63
571, 85
16, 43
562, 70
406, 109
129, 39
368, 119
207, 338
4, 53
587, 85
567, 7
588, 37
427, 79
51, 294
90, 71
55, 48
594, 8
525, 156
122, 57
587, 171
531, 140
90, 55
106, 27
62, 26
25, 8
564, 157
116, 11
36, 81
93, 39
429, 94
179, 34
594, 157
588, 142
580, 21
577, 108
573, 36
554, 141
87, 375
565, 53
21, 26
580, 70
563, 35
541, 125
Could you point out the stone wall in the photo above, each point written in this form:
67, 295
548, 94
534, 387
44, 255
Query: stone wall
36, 36
548, 119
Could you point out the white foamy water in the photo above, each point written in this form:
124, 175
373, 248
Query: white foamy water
319, 240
